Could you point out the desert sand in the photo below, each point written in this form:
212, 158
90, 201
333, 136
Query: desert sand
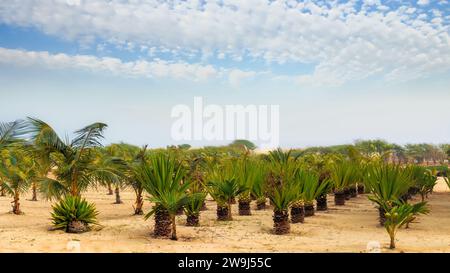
341, 229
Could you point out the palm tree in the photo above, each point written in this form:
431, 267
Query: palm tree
72, 162
193, 207
162, 180
283, 195
42, 167
424, 180
284, 189
139, 160
10, 133
342, 174
18, 169
401, 214
247, 174
387, 183
131, 159
223, 186
111, 170
311, 189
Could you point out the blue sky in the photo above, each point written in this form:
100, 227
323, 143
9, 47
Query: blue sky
340, 70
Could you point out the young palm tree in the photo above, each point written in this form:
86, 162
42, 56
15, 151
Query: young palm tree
283, 195
284, 190
72, 164
311, 189
224, 187
17, 170
248, 171
401, 214
193, 208
162, 180
387, 183
342, 174
424, 180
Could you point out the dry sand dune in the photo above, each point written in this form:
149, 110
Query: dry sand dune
341, 229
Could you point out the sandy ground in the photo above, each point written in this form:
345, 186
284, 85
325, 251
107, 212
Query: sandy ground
341, 229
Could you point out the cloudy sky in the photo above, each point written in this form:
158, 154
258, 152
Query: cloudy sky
339, 70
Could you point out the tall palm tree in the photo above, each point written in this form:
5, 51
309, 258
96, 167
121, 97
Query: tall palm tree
110, 170
72, 161
162, 180
73, 168
42, 167
17, 169
10, 132
139, 159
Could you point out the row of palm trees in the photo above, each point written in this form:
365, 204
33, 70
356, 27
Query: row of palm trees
176, 180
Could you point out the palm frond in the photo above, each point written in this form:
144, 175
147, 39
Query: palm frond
89, 136
11, 131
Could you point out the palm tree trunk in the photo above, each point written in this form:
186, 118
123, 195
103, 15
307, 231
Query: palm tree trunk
139, 203
192, 220
118, 200
392, 245
309, 210
322, 203
34, 188
281, 222
223, 213
339, 198
297, 213
162, 222
2, 192
110, 191
244, 206
16, 203
174, 229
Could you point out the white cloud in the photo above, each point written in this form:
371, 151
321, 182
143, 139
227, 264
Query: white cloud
141, 68
344, 42
423, 2
235, 76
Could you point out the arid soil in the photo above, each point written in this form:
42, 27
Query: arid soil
341, 229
